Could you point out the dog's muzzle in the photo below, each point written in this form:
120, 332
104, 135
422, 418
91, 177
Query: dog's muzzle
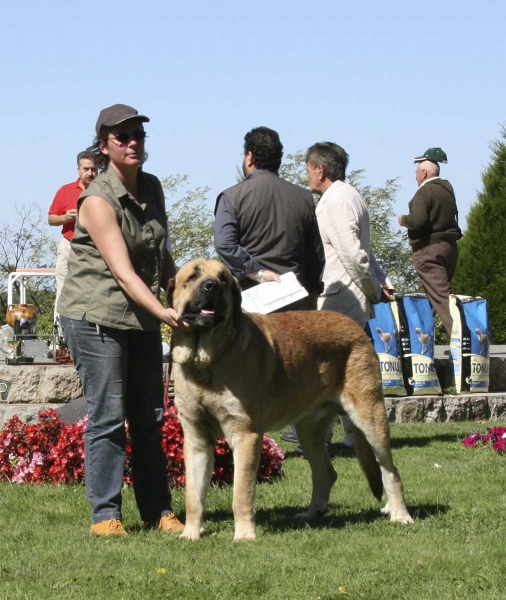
208, 305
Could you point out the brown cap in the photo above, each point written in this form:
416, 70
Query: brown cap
116, 114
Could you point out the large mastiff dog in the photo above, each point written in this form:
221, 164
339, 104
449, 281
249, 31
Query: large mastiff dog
239, 375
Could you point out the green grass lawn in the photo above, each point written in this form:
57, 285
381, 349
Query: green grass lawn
455, 549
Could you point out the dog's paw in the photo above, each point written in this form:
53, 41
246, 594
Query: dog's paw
303, 518
385, 510
312, 514
191, 534
245, 536
401, 517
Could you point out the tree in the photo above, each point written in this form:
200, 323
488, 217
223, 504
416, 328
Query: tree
191, 222
389, 245
481, 270
26, 244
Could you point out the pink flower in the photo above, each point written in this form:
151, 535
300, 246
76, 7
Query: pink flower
500, 445
470, 441
495, 437
498, 431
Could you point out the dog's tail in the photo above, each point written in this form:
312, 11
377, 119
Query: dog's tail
368, 462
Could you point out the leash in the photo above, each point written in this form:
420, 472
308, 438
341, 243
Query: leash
166, 400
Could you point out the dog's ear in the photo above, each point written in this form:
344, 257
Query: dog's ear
237, 301
170, 292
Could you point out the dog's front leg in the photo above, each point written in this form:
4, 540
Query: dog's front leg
199, 460
246, 448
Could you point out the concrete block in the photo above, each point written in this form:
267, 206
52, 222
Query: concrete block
33, 384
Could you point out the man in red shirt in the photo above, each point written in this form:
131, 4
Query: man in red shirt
63, 211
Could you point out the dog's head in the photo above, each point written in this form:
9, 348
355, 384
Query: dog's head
205, 293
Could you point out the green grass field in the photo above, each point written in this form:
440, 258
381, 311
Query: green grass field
455, 549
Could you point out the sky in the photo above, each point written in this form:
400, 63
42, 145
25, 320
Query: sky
385, 80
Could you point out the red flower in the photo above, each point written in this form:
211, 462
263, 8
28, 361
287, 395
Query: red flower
52, 451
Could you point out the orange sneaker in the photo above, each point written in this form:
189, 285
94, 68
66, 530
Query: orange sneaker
169, 523
109, 527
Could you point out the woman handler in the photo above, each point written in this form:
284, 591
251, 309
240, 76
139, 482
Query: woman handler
110, 313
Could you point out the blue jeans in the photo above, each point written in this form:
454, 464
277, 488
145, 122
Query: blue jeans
122, 376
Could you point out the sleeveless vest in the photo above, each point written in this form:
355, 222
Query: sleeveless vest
90, 290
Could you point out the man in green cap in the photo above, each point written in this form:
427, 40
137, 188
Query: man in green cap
433, 232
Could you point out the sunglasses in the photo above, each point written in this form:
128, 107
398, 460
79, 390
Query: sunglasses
122, 137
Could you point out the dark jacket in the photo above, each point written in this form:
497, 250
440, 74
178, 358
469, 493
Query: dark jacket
432, 215
277, 226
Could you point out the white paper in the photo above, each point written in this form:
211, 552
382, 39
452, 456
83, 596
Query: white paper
269, 296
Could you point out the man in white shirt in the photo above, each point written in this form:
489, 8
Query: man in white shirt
353, 281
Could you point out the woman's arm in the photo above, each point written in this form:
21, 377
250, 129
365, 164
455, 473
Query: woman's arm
98, 217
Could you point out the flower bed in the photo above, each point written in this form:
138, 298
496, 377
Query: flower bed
496, 437
50, 451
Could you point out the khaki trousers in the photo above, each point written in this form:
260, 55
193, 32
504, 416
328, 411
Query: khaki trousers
62, 257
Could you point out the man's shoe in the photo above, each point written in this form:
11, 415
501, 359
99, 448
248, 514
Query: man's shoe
342, 446
289, 436
348, 442
169, 523
333, 449
341, 450
109, 527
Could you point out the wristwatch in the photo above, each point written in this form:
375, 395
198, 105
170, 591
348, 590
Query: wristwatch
259, 275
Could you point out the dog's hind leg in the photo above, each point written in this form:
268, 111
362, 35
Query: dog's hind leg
372, 447
312, 436
199, 460
246, 448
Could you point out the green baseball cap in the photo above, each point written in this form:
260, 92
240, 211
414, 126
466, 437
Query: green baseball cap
434, 154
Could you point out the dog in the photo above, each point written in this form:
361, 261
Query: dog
239, 374
484, 342
386, 338
425, 340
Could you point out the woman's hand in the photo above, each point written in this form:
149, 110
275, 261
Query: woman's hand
174, 319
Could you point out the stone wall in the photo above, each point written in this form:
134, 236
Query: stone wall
33, 384
34, 388
28, 413
465, 407
422, 409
